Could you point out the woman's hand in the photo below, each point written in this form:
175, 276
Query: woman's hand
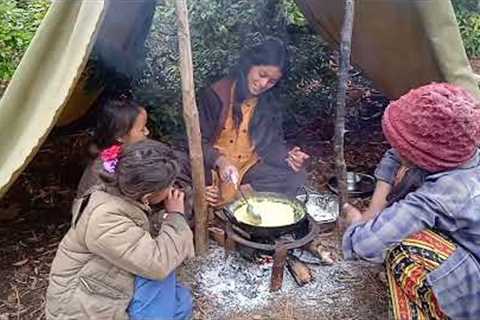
296, 159
379, 199
212, 195
175, 201
402, 171
228, 172
352, 214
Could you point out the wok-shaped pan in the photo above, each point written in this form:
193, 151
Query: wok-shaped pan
280, 215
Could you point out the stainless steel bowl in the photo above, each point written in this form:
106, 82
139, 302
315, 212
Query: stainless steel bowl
358, 184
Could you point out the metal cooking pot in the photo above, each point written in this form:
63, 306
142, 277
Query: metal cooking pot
298, 224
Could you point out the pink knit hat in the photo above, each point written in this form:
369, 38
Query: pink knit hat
436, 127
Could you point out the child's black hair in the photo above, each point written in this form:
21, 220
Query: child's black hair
115, 120
143, 167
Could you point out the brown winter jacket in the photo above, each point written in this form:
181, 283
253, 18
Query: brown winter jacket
92, 275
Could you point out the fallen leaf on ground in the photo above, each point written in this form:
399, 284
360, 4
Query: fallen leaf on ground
10, 213
20, 263
12, 298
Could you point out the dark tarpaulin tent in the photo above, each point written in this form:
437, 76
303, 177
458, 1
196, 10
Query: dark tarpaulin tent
399, 44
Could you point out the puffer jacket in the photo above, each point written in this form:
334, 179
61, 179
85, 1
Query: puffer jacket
92, 275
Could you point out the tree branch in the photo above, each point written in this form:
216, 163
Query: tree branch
190, 114
345, 49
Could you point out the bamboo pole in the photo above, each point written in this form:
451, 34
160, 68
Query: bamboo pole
190, 115
343, 76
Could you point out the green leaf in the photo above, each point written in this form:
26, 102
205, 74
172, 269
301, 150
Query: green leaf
17, 28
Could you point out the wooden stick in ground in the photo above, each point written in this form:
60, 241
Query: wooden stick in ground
345, 49
190, 114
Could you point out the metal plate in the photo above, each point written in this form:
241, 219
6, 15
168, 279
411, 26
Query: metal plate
321, 206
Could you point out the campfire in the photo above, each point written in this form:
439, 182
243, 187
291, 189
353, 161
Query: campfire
287, 246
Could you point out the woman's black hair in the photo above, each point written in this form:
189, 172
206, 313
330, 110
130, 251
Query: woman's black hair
271, 52
115, 120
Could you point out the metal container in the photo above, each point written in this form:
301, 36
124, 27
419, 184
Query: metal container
321, 206
299, 222
358, 184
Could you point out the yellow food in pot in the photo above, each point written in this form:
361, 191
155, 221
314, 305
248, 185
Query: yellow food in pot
274, 214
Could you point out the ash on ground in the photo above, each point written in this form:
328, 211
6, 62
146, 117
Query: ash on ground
240, 289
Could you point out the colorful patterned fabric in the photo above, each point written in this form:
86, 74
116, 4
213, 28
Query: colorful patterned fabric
408, 265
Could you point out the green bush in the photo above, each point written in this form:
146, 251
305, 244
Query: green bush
18, 22
468, 17
469, 24
470, 30
469, 5
220, 30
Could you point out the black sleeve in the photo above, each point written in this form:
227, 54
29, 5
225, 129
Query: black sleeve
269, 136
209, 111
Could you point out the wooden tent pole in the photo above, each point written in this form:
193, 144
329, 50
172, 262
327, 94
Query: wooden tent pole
190, 115
343, 76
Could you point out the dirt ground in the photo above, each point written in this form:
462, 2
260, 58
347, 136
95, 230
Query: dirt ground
34, 216
240, 289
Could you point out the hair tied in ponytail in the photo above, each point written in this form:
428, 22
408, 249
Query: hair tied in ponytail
110, 157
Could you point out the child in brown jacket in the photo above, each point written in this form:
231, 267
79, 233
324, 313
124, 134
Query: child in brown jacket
108, 265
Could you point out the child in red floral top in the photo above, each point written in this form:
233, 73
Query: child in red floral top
121, 122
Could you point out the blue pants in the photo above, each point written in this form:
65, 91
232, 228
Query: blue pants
160, 300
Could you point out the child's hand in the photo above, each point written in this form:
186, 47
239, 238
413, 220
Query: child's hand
212, 195
175, 201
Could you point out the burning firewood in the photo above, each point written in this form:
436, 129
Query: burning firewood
324, 255
300, 272
218, 235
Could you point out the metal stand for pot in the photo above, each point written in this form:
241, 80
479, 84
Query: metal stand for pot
280, 248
